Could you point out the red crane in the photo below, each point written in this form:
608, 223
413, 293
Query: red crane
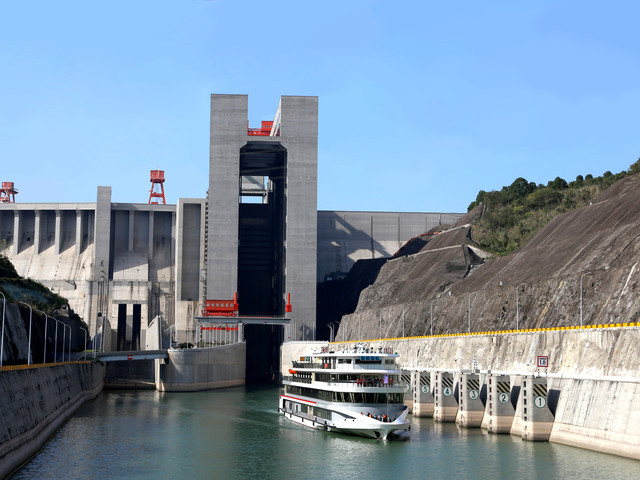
157, 187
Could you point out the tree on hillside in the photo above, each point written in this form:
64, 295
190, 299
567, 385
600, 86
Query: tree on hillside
521, 188
558, 184
516, 212
578, 182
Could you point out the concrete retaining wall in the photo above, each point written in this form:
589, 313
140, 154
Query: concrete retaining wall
36, 402
599, 415
191, 370
593, 377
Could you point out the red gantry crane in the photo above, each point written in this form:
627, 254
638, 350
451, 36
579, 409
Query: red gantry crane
157, 187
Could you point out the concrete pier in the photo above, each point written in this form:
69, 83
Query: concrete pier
470, 407
407, 377
533, 408
445, 404
423, 400
499, 410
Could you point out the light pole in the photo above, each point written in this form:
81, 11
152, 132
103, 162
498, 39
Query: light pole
30, 318
55, 343
46, 318
585, 273
330, 325
469, 310
4, 307
102, 335
96, 335
68, 349
518, 307
85, 342
64, 337
431, 315
44, 355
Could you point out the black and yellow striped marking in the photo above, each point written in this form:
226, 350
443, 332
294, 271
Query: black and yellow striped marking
540, 390
473, 384
503, 387
425, 380
447, 382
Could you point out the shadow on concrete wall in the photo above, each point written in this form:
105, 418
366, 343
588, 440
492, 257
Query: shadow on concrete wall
341, 242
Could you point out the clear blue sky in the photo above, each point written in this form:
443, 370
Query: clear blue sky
422, 103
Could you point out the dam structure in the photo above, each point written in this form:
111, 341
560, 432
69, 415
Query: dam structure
256, 233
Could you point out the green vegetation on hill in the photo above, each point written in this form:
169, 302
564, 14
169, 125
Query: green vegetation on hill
513, 215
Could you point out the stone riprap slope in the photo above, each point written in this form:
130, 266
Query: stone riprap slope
452, 286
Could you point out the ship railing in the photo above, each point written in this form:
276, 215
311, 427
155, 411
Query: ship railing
373, 366
346, 367
309, 365
368, 383
296, 379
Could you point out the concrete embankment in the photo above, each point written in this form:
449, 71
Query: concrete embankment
35, 402
593, 377
190, 370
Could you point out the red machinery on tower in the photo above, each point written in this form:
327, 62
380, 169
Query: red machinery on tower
157, 187
229, 308
221, 308
263, 131
8, 193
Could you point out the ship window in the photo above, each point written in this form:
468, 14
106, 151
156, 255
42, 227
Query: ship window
322, 413
367, 360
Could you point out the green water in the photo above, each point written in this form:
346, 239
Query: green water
237, 434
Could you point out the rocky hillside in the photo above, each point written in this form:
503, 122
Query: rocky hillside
451, 285
20, 292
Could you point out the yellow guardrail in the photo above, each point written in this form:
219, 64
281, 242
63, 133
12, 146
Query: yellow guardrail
9, 368
501, 332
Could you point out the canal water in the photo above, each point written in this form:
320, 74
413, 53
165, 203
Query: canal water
237, 434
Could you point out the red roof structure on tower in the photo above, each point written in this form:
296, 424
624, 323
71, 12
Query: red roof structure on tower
8, 193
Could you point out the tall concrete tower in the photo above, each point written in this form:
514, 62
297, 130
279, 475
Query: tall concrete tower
262, 210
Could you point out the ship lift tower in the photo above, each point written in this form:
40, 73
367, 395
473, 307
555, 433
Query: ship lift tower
157, 187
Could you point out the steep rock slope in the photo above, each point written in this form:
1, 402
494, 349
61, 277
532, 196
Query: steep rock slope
451, 286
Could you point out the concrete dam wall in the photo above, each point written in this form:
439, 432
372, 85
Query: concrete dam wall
35, 402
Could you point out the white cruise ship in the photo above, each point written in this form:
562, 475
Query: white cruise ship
356, 391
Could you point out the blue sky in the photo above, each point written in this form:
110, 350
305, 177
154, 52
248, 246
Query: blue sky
422, 103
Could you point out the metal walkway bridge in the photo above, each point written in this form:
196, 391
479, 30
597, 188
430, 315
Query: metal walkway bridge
246, 320
132, 355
